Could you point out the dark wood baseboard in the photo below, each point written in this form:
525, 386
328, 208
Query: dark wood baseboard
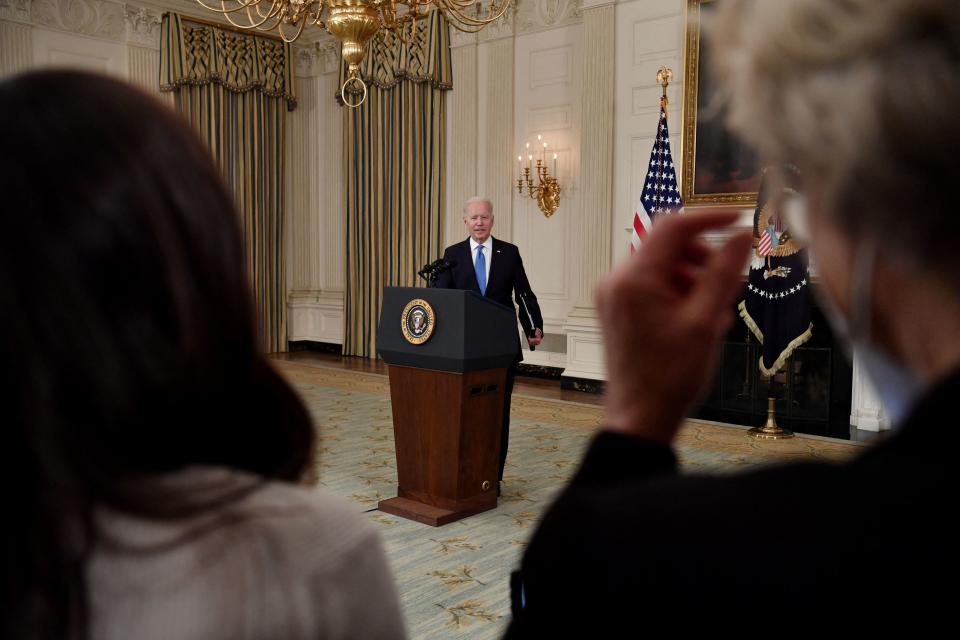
539, 371
585, 385
319, 347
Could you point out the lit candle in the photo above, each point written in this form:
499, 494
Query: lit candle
544, 154
554, 165
520, 165
530, 161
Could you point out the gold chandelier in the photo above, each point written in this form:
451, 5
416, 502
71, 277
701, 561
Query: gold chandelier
354, 22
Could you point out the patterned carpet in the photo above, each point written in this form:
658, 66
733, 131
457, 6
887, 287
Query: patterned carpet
454, 580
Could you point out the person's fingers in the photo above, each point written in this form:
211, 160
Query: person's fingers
672, 234
696, 252
719, 280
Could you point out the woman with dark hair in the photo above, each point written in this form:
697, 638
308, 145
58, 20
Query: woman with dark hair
150, 450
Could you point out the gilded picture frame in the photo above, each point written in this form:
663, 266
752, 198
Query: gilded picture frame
718, 169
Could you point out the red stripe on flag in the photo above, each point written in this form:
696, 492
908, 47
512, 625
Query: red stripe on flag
638, 226
639, 230
765, 245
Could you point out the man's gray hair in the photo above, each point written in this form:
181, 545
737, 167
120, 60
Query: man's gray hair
477, 200
862, 97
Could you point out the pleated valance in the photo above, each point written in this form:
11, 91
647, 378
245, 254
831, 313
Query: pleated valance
198, 54
426, 58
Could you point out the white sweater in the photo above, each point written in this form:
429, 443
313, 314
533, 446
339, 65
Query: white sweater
283, 562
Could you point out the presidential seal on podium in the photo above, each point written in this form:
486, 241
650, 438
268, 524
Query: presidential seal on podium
417, 321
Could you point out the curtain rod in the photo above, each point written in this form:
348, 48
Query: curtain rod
229, 27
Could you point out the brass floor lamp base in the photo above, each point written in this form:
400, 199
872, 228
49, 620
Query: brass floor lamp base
771, 430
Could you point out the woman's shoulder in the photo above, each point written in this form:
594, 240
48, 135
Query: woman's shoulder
288, 552
305, 528
306, 511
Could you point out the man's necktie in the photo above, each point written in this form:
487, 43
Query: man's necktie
481, 266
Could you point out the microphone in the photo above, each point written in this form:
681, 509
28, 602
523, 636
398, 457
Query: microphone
432, 270
425, 271
443, 265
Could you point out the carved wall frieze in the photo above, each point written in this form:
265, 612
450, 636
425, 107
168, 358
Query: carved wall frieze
502, 27
317, 58
143, 26
98, 18
15, 10
540, 15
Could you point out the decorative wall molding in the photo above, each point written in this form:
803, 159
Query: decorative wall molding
16, 47
866, 411
143, 26
137, 23
584, 339
540, 15
550, 66
462, 142
655, 37
645, 100
550, 119
499, 137
460, 39
317, 320
596, 149
143, 64
501, 28
302, 196
15, 10
98, 18
317, 58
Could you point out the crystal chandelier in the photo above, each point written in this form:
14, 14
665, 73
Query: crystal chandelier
354, 22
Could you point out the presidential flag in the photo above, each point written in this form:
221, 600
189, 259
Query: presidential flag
776, 306
660, 194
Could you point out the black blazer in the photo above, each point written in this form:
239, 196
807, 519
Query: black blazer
507, 280
630, 546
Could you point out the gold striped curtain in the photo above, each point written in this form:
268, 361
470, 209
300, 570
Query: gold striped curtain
236, 89
394, 146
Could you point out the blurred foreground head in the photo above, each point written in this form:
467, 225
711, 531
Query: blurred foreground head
127, 336
862, 96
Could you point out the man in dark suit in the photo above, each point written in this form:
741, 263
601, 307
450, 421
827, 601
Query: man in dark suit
631, 546
494, 269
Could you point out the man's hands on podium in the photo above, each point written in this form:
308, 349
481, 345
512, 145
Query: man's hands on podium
536, 339
664, 311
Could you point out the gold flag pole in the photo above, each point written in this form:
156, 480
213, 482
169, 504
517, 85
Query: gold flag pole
771, 430
664, 76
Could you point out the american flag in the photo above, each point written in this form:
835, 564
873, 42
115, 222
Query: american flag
765, 245
769, 239
660, 195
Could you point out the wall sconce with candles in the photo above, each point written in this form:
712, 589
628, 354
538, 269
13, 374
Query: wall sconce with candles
546, 191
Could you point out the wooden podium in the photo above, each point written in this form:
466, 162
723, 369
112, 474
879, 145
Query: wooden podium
448, 351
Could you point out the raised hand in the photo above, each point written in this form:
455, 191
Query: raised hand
664, 311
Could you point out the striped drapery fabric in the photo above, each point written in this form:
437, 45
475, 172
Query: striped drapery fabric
235, 89
394, 147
